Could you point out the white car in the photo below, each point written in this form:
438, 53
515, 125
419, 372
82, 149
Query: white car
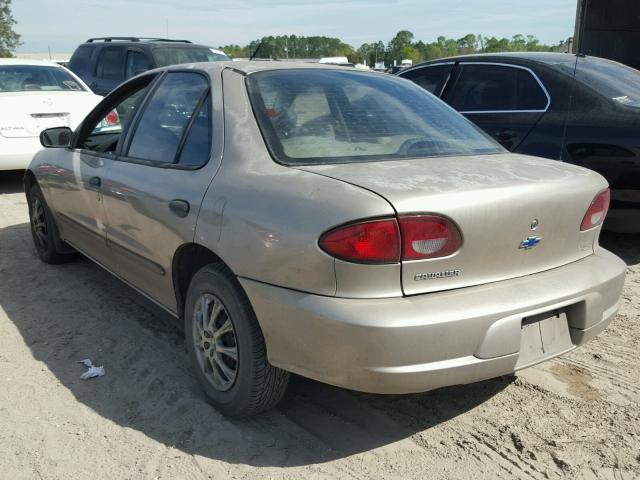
34, 96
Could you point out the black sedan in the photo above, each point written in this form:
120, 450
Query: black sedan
574, 108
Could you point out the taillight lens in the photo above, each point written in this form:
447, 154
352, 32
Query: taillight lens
597, 211
417, 237
112, 118
428, 236
376, 241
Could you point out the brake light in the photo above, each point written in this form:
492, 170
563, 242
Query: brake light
597, 211
428, 236
417, 237
112, 118
376, 241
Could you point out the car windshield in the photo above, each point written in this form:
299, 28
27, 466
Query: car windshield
313, 116
614, 80
186, 54
29, 78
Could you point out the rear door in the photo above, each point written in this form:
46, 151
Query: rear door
506, 101
109, 70
155, 187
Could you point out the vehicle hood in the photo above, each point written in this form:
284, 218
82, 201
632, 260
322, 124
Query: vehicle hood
494, 200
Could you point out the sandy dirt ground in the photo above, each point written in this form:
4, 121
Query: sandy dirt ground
576, 417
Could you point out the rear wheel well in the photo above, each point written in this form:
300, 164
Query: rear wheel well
187, 260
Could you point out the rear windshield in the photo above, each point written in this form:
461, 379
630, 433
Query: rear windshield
29, 78
614, 80
331, 116
176, 55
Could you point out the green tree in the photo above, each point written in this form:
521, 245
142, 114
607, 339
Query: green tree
397, 45
9, 39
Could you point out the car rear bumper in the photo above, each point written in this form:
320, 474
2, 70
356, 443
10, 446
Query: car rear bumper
16, 153
422, 342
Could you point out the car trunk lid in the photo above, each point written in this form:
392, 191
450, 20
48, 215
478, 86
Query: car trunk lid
26, 114
518, 215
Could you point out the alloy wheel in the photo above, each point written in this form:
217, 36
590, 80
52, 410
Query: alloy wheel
39, 223
215, 340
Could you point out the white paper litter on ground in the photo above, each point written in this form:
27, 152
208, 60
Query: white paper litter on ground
92, 371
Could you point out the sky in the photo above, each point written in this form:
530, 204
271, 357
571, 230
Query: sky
63, 24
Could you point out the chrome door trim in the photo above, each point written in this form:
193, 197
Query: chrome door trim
533, 74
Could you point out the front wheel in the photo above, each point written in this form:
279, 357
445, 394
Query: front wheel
44, 231
226, 346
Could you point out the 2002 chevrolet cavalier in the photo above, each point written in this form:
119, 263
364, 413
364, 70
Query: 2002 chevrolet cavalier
343, 225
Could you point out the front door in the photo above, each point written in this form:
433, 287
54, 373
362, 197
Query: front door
80, 180
506, 101
77, 197
154, 190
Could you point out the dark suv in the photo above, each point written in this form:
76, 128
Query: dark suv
104, 63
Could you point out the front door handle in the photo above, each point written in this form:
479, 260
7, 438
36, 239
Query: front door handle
179, 207
95, 182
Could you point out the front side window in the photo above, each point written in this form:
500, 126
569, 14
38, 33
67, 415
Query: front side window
29, 78
110, 64
490, 88
104, 134
431, 78
311, 116
167, 116
176, 55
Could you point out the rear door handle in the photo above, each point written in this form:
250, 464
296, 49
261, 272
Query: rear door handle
95, 182
179, 207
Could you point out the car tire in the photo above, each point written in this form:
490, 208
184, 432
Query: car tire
220, 324
49, 246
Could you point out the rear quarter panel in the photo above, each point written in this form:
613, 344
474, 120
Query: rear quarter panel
264, 219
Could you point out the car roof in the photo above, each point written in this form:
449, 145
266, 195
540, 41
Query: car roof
140, 42
28, 62
247, 67
546, 58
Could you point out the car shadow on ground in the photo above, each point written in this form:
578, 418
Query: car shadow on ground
11, 181
625, 245
68, 312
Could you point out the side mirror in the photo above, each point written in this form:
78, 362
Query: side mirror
58, 137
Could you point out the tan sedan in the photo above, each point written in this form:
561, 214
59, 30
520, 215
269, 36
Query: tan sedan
343, 225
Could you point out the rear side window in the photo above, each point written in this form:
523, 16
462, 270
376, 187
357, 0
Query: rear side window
197, 146
431, 78
312, 116
137, 62
611, 79
167, 116
110, 64
79, 63
175, 55
491, 88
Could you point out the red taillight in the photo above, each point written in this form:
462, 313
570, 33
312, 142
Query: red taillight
597, 211
417, 237
376, 241
428, 236
112, 118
